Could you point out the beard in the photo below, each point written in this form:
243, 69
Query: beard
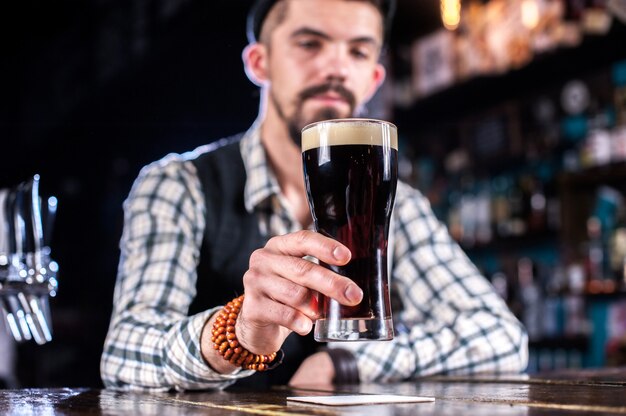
297, 121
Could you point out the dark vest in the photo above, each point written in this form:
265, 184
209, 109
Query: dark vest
230, 237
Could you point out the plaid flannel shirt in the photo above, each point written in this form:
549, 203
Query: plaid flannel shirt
451, 320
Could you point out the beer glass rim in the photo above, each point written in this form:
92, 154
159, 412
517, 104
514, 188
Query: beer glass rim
350, 120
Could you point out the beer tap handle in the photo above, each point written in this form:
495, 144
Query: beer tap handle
11, 233
20, 317
20, 223
32, 211
50, 219
38, 306
31, 320
25, 220
35, 204
4, 228
9, 318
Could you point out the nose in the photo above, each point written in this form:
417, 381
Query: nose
337, 65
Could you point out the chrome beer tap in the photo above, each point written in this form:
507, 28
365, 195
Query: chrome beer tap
27, 273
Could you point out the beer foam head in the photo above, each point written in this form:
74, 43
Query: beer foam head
349, 131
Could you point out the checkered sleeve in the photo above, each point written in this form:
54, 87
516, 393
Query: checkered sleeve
152, 344
451, 319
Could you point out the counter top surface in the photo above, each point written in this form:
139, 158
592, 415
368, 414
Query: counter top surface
589, 392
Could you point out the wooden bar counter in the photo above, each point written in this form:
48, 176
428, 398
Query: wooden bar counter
601, 392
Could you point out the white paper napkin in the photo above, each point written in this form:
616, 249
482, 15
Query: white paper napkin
352, 400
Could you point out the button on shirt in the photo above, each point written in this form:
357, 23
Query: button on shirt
448, 318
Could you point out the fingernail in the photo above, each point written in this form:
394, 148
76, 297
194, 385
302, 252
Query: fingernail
354, 293
341, 253
305, 327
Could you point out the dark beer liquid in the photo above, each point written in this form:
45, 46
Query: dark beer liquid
351, 194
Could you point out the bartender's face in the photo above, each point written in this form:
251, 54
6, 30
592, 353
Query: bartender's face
322, 60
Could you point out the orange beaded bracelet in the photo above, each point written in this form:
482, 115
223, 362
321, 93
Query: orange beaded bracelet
225, 341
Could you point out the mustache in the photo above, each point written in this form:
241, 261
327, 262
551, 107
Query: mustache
343, 92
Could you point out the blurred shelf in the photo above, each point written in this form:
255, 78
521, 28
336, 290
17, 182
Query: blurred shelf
577, 342
499, 244
547, 69
593, 176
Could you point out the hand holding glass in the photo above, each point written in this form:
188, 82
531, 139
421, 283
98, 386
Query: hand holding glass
350, 173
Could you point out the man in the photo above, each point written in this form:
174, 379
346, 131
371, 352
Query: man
233, 218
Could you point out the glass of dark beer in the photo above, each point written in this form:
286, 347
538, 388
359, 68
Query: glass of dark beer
350, 174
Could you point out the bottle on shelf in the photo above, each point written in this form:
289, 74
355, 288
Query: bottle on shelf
576, 322
603, 248
617, 251
594, 256
531, 297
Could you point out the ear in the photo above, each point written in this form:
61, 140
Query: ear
378, 79
254, 58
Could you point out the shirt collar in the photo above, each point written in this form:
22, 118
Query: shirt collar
261, 182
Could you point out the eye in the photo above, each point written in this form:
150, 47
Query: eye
309, 44
360, 53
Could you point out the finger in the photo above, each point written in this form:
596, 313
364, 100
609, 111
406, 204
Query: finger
268, 311
291, 294
309, 243
264, 263
268, 284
